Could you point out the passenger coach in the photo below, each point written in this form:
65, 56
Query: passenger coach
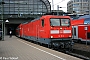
81, 30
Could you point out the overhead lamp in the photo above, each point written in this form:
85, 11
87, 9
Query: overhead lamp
6, 21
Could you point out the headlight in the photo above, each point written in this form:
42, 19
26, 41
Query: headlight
70, 36
51, 36
60, 28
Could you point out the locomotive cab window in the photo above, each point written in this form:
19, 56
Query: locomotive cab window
54, 22
59, 22
42, 22
65, 22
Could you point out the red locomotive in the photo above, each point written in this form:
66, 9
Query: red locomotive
52, 30
81, 30
19, 31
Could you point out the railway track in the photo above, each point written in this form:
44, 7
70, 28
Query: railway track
75, 54
78, 55
80, 50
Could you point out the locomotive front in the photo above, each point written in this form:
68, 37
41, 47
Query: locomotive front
61, 32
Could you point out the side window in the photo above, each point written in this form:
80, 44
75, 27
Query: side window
42, 23
74, 31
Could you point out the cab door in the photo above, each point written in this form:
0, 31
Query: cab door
42, 28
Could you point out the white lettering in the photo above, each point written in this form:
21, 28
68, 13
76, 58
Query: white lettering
8, 58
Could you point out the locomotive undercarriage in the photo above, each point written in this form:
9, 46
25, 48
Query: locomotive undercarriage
62, 44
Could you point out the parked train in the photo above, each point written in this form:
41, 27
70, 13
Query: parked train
81, 30
52, 30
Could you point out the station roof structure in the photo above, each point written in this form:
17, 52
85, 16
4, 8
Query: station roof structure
24, 8
47, 3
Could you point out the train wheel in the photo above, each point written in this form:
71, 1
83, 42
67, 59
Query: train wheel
51, 46
70, 49
40, 44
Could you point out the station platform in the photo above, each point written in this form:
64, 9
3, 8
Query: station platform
18, 49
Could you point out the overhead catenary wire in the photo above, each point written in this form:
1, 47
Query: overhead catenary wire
56, 3
59, 2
